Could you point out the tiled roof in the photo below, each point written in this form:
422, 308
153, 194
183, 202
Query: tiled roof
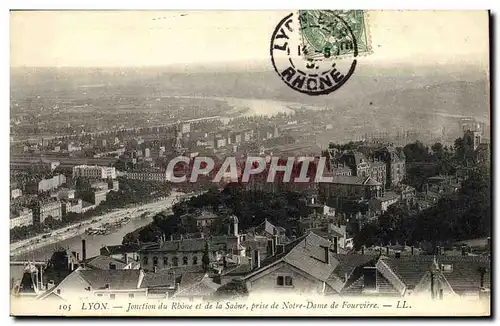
180, 270
348, 262
102, 262
465, 275
163, 278
383, 286
354, 180
189, 279
187, 245
239, 270
306, 253
409, 269
205, 287
115, 278
121, 249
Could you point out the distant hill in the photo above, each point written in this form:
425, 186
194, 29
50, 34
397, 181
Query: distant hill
380, 93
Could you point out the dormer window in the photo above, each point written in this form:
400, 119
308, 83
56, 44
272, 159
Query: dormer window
446, 268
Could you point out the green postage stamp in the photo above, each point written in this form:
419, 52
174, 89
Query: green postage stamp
315, 52
324, 34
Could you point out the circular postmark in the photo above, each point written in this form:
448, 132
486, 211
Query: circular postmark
306, 48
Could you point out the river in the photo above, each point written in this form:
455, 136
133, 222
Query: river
72, 239
93, 242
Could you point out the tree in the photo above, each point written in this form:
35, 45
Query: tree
205, 260
438, 150
233, 289
459, 149
416, 152
458, 216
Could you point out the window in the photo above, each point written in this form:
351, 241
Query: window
58, 291
195, 260
99, 294
175, 261
184, 260
112, 296
447, 268
145, 260
155, 261
131, 296
165, 261
284, 281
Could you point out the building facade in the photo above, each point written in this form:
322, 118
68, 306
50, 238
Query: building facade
42, 210
71, 206
52, 183
350, 187
395, 161
24, 217
190, 252
14, 193
94, 172
99, 196
147, 176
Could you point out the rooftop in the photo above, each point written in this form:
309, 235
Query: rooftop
118, 279
103, 263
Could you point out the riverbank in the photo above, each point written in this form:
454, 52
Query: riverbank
76, 229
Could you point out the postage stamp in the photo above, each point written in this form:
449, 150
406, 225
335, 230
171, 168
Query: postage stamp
323, 33
307, 48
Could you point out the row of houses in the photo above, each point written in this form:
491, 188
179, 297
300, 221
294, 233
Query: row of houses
307, 265
60, 203
264, 260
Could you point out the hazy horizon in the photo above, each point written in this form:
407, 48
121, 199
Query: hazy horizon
221, 38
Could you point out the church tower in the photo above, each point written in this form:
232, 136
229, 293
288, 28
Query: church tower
177, 146
233, 238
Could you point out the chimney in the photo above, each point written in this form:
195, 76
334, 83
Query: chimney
270, 247
432, 285
335, 245
464, 252
412, 250
327, 255
363, 249
387, 250
438, 250
370, 278
112, 266
483, 271
171, 237
84, 250
224, 261
280, 248
256, 260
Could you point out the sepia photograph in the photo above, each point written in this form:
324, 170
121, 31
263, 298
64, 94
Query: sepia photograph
323, 163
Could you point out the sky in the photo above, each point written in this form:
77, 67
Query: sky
157, 38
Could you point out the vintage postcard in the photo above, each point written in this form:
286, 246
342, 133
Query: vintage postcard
250, 163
